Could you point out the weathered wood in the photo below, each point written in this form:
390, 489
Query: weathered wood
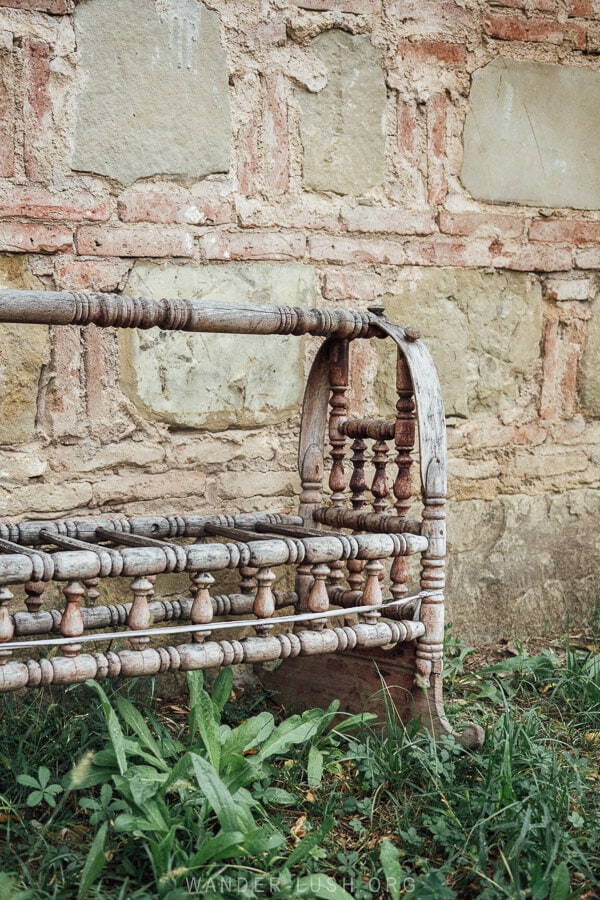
311, 442
404, 440
187, 657
375, 429
202, 610
29, 533
7, 627
106, 310
339, 361
71, 624
80, 552
379, 682
385, 523
164, 610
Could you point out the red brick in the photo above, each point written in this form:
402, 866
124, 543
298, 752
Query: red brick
37, 109
7, 114
387, 220
532, 257
437, 187
166, 207
481, 224
407, 127
17, 237
72, 274
54, 7
434, 16
246, 94
352, 284
582, 9
134, 240
62, 404
320, 215
361, 7
517, 27
593, 38
269, 33
547, 6
444, 252
567, 231
588, 259
565, 289
564, 336
275, 134
36, 202
356, 250
432, 51
265, 245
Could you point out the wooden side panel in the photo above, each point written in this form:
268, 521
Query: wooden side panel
359, 680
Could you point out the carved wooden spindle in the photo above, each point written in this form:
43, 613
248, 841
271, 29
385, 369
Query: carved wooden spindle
339, 357
318, 598
34, 591
356, 576
139, 614
264, 601
358, 486
372, 595
338, 383
91, 590
336, 575
7, 628
71, 624
358, 482
430, 647
202, 609
380, 488
404, 440
248, 580
303, 583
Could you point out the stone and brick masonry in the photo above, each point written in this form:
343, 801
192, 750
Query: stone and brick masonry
440, 157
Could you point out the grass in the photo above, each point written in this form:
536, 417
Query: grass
112, 794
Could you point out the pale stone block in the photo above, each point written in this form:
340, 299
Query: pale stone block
589, 387
243, 485
217, 381
342, 126
77, 458
224, 448
154, 98
483, 331
129, 487
532, 136
20, 465
520, 564
564, 289
45, 501
22, 354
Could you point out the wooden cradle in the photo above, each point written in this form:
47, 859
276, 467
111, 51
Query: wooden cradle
348, 544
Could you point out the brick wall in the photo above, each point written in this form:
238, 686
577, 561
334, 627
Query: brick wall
324, 151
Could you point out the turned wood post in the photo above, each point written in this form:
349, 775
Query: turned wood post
34, 591
404, 439
71, 624
358, 486
7, 628
202, 611
318, 598
430, 648
264, 601
339, 355
139, 614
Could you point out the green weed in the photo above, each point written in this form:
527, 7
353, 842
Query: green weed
107, 797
